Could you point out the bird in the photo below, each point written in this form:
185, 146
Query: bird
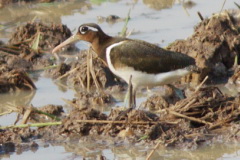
137, 62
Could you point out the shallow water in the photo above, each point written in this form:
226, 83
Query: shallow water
161, 23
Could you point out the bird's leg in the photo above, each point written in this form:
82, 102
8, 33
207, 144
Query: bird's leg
134, 98
130, 96
126, 97
130, 93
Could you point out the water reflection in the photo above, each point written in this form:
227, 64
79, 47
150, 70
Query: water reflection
47, 92
90, 150
10, 101
159, 4
14, 15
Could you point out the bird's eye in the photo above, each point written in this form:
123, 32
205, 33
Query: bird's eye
83, 29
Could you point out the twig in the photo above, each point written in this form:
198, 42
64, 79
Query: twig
222, 122
124, 29
8, 54
117, 122
6, 112
201, 84
63, 85
32, 125
223, 5
189, 118
26, 115
92, 71
237, 5
200, 16
185, 108
70, 103
185, 9
81, 82
151, 153
84, 121
66, 74
44, 68
47, 114
9, 51
88, 70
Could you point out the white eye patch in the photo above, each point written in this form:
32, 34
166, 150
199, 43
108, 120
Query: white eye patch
84, 29
93, 29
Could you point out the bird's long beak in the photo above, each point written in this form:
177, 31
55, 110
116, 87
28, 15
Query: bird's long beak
71, 39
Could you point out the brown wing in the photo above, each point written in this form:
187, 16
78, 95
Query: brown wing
147, 57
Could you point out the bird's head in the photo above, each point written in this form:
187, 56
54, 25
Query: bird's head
87, 32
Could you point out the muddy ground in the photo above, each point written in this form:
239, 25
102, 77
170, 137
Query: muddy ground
204, 116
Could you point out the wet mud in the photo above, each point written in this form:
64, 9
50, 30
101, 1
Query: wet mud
85, 71
29, 50
215, 44
12, 80
204, 115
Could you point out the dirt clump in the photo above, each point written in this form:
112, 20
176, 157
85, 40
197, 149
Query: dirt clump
204, 116
76, 73
157, 101
202, 113
26, 52
90, 99
214, 44
111, 19
17, 140
71, 125
48, 113
51, 35
31, 41
13, 79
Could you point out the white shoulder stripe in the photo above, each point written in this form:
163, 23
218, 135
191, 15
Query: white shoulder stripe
108, 57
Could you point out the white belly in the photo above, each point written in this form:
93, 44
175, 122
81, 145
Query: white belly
149, 80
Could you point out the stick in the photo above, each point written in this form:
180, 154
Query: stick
83, 121
92, 72
190, 118
88, 70
66, 74
32, 125
237, 5
200, 16
223, 5
47, 114
70, 103
151, 153
201, 84
26, 115
116, 122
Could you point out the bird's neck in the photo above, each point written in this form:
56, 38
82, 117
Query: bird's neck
100, 44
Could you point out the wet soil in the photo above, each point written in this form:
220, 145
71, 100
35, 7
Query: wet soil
200, 118
203, 116
84, 72
12, 80
215, 44
26, 51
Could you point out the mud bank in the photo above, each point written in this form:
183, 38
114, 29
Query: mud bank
203, 116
